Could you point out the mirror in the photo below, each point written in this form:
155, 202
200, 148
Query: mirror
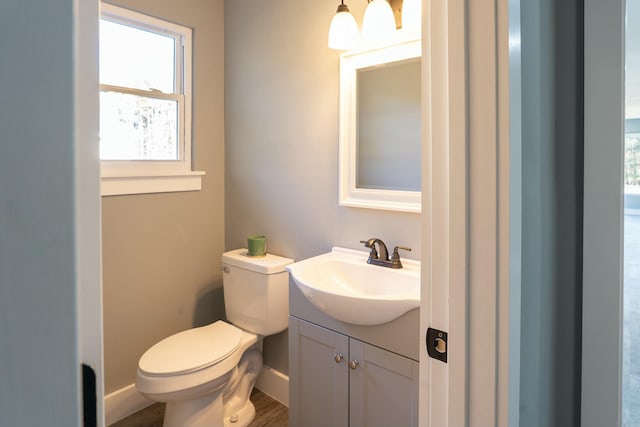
380, 128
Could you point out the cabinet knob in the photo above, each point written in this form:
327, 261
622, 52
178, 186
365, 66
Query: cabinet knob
354, 364
338, 358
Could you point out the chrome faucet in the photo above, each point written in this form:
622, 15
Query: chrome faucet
380, 256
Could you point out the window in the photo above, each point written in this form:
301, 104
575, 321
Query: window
145, 104
632, 166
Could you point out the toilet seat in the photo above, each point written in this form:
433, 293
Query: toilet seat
191, 350
162, 384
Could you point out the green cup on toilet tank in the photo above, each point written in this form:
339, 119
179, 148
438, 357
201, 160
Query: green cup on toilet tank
257, 245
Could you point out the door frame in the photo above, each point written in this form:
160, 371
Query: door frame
466, 284
603, 212
88, 201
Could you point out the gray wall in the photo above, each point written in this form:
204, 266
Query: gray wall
39, 356
552, 151
281, 138
161, 252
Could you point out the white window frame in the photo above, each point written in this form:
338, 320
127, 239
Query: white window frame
144, 176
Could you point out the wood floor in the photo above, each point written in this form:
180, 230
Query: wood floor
269, 413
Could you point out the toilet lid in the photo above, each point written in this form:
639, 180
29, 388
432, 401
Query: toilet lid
191, 350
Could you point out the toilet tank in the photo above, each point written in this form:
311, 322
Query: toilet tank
256, 291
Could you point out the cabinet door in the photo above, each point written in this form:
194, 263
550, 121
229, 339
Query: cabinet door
384, 388
318, 381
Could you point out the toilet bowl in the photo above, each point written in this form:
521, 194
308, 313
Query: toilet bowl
206, 374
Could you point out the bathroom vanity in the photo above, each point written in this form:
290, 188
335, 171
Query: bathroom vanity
343, 374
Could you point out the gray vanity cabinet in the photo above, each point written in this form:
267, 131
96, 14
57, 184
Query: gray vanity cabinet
339, 381
318, 384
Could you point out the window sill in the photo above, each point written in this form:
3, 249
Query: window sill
122, 185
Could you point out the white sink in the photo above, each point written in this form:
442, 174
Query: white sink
341, 284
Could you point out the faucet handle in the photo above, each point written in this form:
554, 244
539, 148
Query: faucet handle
404, 248
395, 257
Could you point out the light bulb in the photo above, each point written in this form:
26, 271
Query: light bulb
343, 31
412, 16
379, 23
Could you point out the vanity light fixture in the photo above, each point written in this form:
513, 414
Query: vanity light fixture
378, 23
343, 31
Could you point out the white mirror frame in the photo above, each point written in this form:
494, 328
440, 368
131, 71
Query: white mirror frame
349, 193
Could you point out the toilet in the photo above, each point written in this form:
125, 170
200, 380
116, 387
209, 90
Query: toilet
206, 375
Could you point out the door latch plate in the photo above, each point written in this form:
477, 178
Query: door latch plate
437, 344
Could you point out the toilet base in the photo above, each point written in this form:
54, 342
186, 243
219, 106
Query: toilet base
242, 417
238, 409
204, 412
200, 412
222, 403
207, 411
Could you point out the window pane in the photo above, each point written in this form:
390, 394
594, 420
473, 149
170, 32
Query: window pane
632, 159
132, 57
631, 224
138, 128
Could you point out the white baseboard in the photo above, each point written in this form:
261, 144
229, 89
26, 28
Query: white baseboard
274, 384
127, 401
124, 402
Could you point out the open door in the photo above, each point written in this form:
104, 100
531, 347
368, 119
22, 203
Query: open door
50, 294
604, 217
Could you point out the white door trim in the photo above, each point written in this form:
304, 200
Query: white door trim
465, 240
603, 213
444, 210
87, 195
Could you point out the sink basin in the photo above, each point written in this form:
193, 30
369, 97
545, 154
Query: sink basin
341, 284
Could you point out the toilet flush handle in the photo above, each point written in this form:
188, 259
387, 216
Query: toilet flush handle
225, 269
